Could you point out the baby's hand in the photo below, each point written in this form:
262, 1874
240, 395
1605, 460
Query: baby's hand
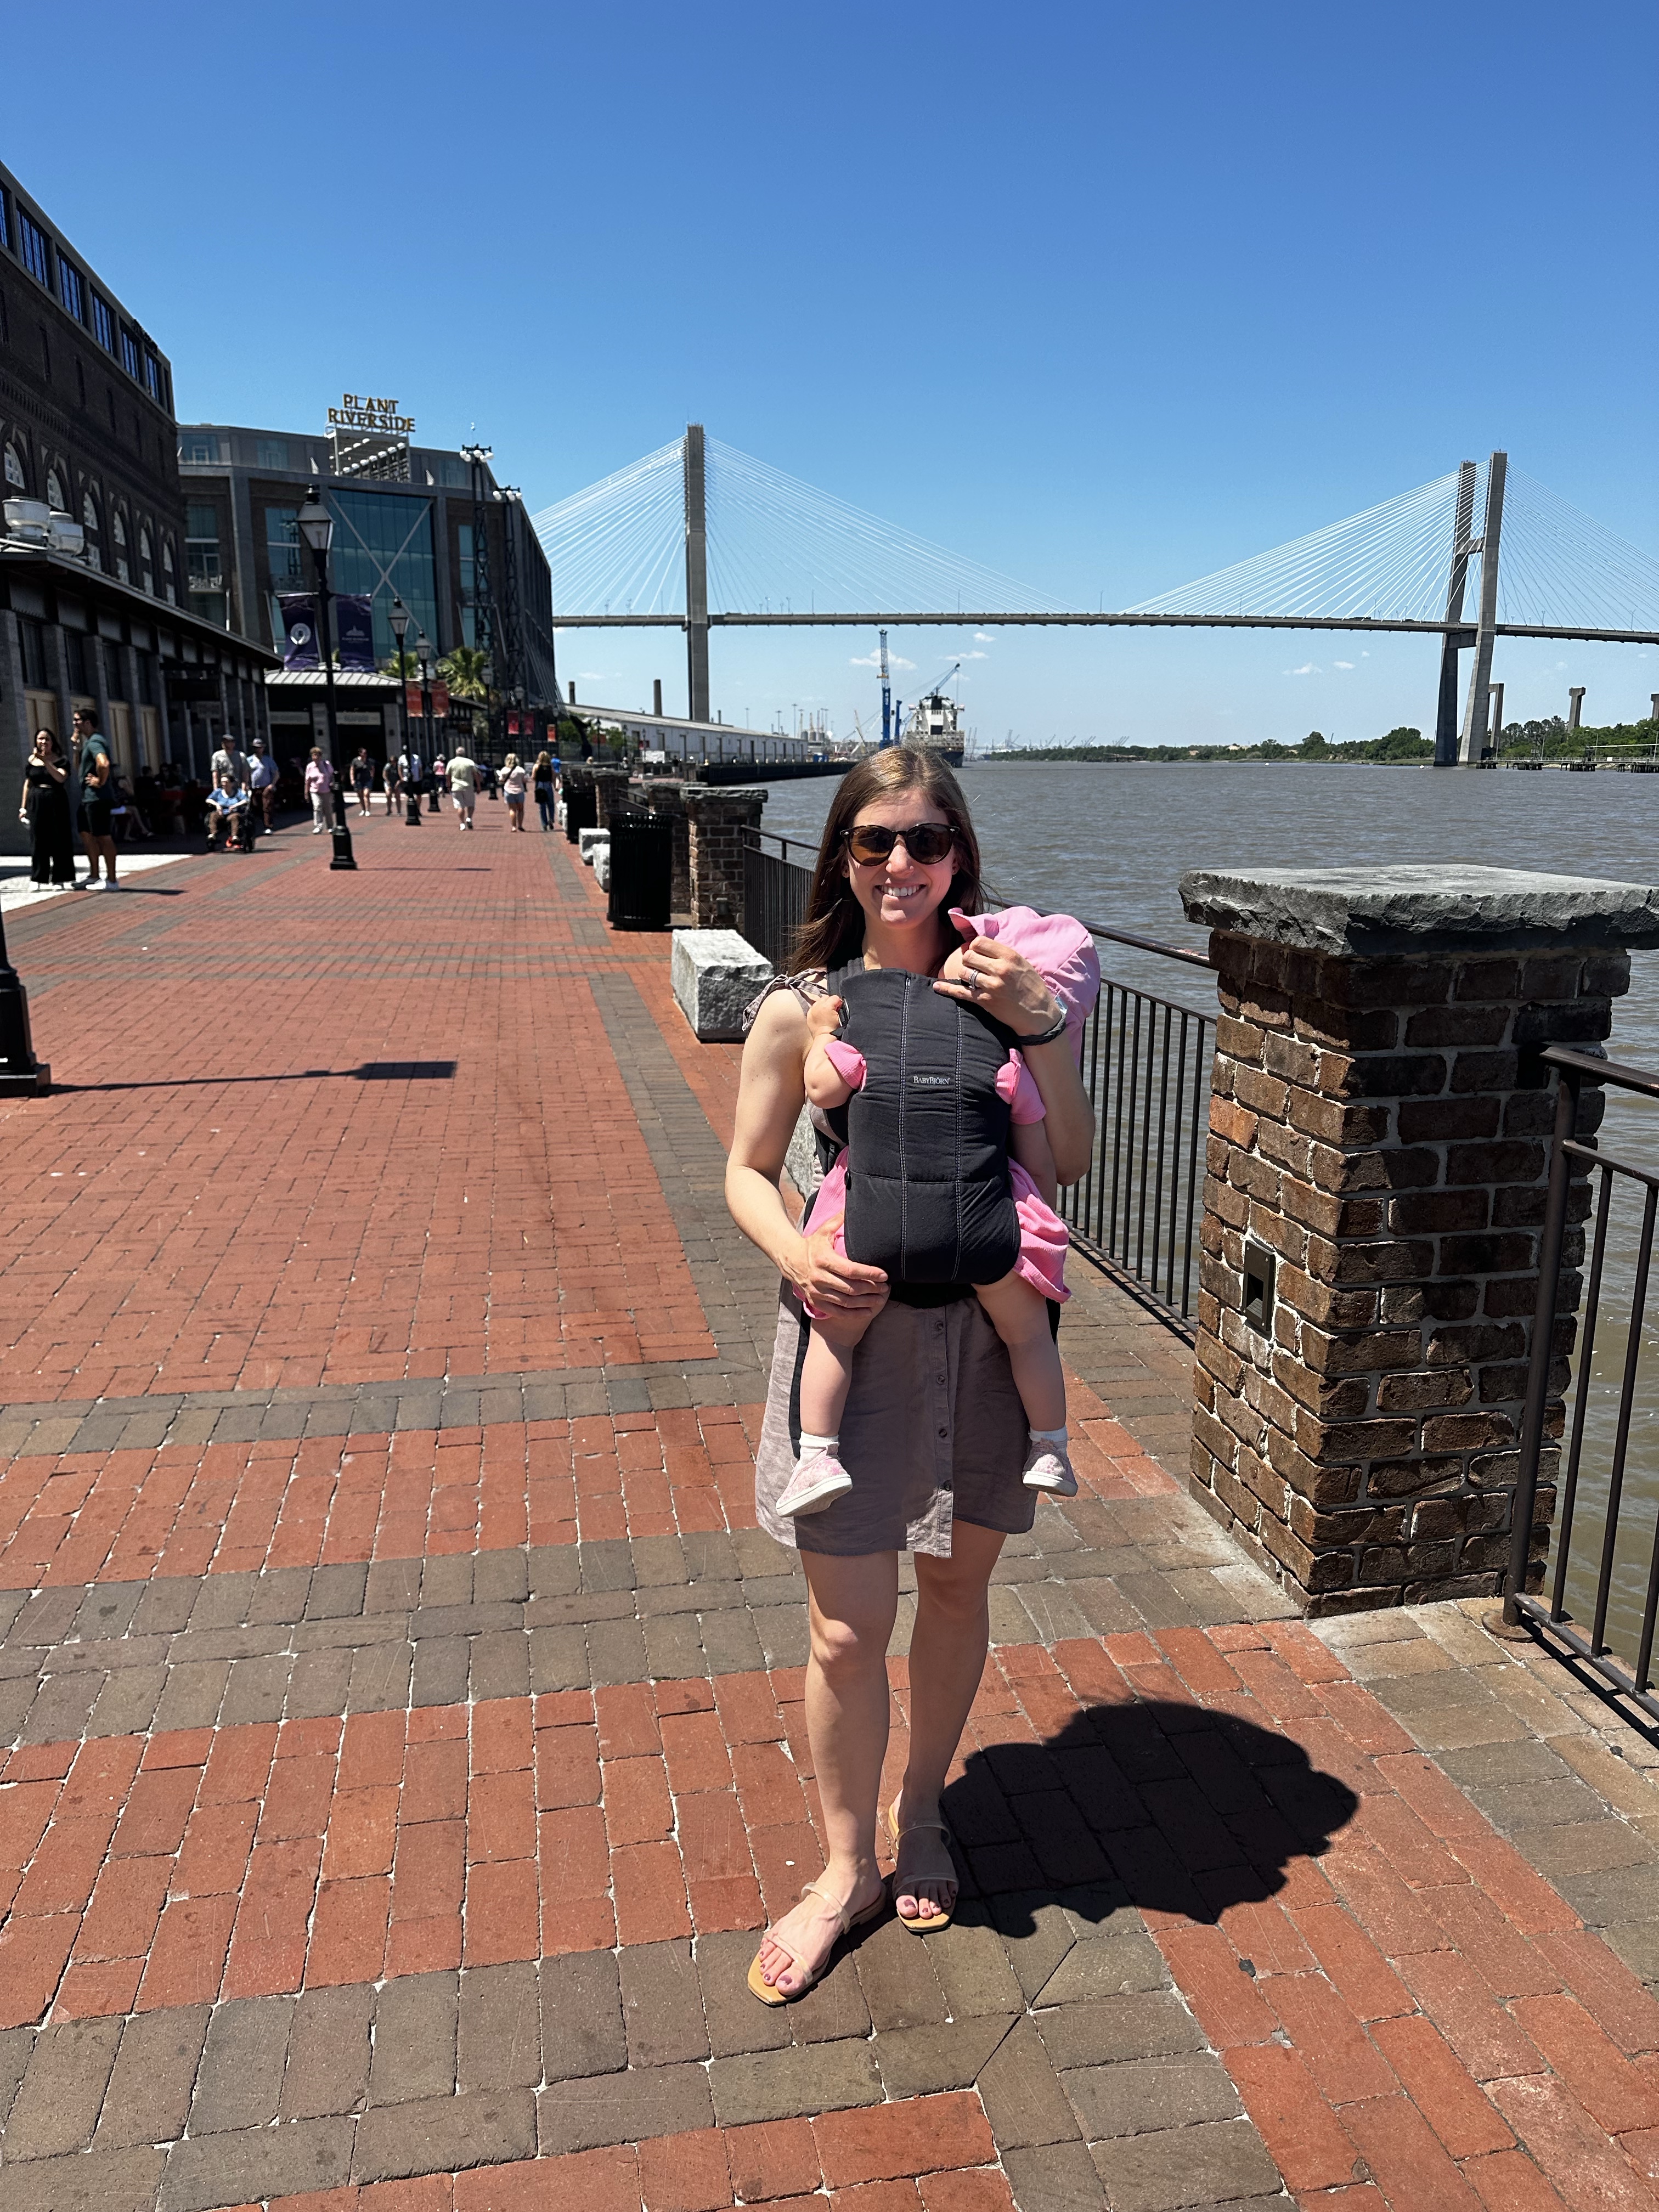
822, 1018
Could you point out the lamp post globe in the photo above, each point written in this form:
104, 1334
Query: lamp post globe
400, 621
316, 527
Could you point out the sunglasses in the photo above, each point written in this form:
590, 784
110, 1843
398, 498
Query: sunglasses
926, 842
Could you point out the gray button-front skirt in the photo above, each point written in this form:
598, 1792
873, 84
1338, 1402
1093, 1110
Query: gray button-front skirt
933, 1430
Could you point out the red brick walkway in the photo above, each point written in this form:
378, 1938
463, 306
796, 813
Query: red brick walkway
396, 1771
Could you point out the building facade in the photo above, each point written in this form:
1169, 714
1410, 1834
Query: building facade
87, 430
406, 524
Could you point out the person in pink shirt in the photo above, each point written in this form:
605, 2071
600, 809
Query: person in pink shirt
319, 783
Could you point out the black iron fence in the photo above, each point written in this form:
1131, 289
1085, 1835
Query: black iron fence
774, 891
1146, 1067
1621, 1557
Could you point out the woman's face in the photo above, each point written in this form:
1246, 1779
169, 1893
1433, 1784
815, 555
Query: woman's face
901, 892
46, 745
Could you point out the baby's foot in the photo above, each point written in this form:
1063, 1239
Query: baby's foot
820, 1478
1048, 1467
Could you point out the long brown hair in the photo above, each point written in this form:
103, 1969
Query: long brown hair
833, 928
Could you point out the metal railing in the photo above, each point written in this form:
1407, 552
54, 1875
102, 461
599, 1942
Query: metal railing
775, 894
1573, 1069
1146, 1068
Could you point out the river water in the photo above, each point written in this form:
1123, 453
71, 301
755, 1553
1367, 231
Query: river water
1108, 842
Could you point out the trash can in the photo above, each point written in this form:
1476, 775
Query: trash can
581, 807
641, 869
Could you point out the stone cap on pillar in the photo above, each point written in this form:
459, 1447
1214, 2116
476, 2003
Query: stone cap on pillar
1382, 912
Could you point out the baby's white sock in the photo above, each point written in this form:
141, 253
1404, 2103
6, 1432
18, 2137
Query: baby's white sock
811, 1444
1049, 1437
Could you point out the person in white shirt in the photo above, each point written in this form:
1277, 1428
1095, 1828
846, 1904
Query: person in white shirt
464, 785
262, 780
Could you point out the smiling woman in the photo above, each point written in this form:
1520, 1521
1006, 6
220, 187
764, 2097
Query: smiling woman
932, 1432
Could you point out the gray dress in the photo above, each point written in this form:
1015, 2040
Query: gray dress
933, 1431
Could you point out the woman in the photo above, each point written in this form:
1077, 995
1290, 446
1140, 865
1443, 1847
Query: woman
363, 779
543, 781
319, 782
515, 781
390, 782
934, 1423
46, 808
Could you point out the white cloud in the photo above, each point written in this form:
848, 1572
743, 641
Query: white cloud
1308, 668
981, 638
977, 656
1342, 664
873, 660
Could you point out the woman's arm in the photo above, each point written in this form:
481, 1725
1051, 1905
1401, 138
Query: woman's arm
1004, 984
769, 1100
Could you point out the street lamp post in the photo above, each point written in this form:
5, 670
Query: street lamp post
424, 654
21, 1075
400, 631
316, 526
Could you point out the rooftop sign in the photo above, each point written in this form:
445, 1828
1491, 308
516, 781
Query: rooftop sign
356, 412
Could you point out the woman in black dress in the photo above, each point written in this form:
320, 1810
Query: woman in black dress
46, 808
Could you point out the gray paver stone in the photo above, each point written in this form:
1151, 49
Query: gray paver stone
241, 2079
499, 2042
415, 2027
662, 2004
972, 1970
101, 2181
55, 2108
1053, 2178
735, 2023
438, 2134
1139, 2095
1022, 2099
254, 2163
328, 2052
1218, 2162
900, 1989
1152, 2023
920, 2062
1107, 1967
654, 2100
783, 2084
582, 2030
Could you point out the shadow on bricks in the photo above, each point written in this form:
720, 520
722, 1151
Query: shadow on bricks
1161, 1806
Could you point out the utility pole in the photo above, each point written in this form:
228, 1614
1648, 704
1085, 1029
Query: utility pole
1476, 711
1445, 725
696, 575
479, 459
886, 697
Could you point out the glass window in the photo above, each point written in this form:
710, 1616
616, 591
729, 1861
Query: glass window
71, 289
152, 376
119, 527
201, 560
122, 571
467, 571
89, 511
55, 492
455, 474
5, 231
32, 245
15, 475
272, 452
129, 353
282, 545
32, 637
103, 324
146, 563
197, 446
169, 589
74, 659
383, 546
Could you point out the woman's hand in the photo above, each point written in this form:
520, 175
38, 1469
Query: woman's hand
1000, 981
831, 1282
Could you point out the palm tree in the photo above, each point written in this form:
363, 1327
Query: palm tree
463, 671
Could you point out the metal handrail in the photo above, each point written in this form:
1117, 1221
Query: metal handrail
1573, 1070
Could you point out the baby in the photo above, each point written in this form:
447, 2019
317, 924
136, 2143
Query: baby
1016, 1303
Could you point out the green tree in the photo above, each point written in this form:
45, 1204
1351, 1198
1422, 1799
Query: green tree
1313, 747
463, 670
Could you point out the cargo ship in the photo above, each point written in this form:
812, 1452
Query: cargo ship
936, 722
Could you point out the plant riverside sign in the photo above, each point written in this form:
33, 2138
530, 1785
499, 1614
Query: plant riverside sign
356, 412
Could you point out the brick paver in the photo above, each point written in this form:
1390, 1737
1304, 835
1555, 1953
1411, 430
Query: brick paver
400, 1713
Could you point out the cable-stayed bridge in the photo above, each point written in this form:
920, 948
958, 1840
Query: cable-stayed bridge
698, 535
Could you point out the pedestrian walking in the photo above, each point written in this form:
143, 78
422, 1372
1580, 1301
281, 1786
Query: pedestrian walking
319, 782
392, 782
262, 781
543, 782
464, 785
362, 781
230, 756
93, 770
46, 808
515, 782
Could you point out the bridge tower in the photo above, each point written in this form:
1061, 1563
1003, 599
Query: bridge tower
1445, 725
1477, 712
696, 576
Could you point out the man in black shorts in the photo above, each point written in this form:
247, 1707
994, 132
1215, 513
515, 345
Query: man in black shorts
95, 797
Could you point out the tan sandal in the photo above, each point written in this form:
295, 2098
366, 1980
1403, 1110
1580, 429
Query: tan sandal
923, 1923
768, 1992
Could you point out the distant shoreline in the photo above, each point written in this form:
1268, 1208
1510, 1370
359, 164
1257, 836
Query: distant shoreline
1151, 756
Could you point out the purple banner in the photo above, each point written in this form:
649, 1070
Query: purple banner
299, 611
353, 632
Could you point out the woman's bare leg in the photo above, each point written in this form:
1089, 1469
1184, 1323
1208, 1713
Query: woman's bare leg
852, 1602
1020, 1314
947, 1658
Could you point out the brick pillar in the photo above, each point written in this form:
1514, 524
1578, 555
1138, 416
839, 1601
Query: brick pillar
719, 819
610, 785
665, 794
1377, 1166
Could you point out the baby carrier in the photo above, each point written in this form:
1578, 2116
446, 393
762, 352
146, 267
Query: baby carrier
928, 1197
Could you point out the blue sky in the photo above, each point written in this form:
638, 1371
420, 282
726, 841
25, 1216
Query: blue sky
1104, 296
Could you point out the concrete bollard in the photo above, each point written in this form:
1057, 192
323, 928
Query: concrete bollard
1376, 1168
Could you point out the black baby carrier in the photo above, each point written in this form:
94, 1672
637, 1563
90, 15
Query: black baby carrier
928, 1196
